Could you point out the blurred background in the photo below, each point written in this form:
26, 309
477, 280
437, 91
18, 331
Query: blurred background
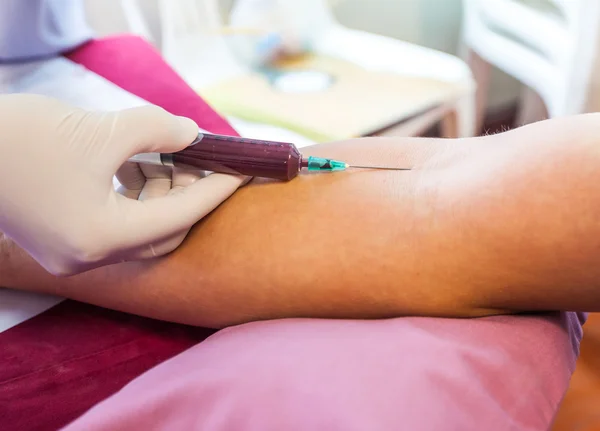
431, 23
434, 24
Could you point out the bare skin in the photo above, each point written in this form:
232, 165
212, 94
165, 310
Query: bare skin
504, 223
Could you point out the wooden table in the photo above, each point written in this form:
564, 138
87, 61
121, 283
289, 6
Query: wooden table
359, 102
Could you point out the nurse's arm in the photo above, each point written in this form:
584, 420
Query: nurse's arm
482, 226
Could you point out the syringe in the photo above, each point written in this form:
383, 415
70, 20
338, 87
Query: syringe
251, 157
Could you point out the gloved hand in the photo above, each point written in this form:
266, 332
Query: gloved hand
57, 199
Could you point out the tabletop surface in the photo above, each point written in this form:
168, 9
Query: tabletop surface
356, 103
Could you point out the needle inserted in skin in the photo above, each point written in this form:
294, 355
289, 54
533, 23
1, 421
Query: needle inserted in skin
379, 167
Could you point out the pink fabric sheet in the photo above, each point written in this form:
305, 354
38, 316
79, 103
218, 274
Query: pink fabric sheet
137, 67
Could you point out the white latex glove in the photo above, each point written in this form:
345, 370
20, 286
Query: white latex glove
57, 199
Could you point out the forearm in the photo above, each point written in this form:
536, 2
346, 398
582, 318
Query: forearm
344, 245
529, 209
456, 237
324, 245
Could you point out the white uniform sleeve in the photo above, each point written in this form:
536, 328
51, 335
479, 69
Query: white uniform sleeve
40, 28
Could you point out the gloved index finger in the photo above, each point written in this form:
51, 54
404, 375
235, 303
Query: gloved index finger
150, 129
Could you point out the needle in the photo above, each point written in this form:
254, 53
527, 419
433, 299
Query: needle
379, 167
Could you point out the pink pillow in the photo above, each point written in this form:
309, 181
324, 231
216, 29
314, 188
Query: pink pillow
496, 373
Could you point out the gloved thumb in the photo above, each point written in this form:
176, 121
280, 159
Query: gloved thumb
150, 129
142, 223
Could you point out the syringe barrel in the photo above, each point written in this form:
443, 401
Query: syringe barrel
234, 155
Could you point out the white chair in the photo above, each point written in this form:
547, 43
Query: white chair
191, 42
551, 46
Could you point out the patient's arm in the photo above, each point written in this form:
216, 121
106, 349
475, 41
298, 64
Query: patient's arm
506, 222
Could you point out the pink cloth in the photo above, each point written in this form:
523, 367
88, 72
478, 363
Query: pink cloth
496, 373
137, 67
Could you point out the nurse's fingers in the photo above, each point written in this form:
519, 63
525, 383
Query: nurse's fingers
132, 180
181, 178
158, 180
